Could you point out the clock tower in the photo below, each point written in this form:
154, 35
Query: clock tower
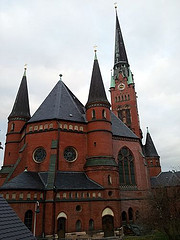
122, 89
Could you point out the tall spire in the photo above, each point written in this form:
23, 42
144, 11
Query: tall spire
21, 105
120, 56
97, 92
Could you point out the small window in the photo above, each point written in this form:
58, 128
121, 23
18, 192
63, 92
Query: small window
30, 129
41, 127
91, 225
109, 180
21, 196
12, 127
60, 125
82, 195
7, 196
35, 128
88, 195
65, 126
51, 125
94, 195
99, 195
28, 196
28, 219
14, 196
93, 114
81, 128
76, 195
41, 196
64, 195
58, 195
78, 226
104, 113
70, 127
76, 128
35, 195
46, 126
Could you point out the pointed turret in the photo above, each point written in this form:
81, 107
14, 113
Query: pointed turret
21, 106
97, 92
150, 150
120, 56
151, 156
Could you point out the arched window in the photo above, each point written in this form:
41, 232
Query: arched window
93, 114
91, 225
103, 113
28, 219
124, 217
130, 214
12, 126
78, 226
126, 167
109, 180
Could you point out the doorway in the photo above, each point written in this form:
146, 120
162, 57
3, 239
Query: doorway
61, 227
108, 225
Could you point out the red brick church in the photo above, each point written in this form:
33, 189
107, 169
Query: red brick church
75, 168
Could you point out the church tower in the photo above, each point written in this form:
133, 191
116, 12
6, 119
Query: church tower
99, 132
18, 117
122, 88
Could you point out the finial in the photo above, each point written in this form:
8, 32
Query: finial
60, 75
147, 129
95, 50
25, 68
115, 5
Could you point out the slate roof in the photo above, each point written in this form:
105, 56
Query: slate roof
149, 148
120, 56
96, 92
64, 181
21, 104
60, 104
166, 179
11, 227
120, 129
25, 180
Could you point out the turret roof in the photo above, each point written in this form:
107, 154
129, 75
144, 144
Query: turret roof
96, 92
60, 104
21, 104
149, 148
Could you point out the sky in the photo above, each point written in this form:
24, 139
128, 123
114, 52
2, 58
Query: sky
57, 37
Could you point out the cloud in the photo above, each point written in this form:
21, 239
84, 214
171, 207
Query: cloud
55, 37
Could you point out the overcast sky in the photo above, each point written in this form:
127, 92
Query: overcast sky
57, 36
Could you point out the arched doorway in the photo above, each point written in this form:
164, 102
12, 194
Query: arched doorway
28, 219
108, 222
61, 225
124, 217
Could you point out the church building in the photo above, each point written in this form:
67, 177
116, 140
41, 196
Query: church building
73, 168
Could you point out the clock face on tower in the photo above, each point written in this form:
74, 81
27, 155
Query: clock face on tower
121, 86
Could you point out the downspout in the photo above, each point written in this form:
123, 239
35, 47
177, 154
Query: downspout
57, 168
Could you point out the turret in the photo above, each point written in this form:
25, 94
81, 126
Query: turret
122, 87
19, 115
99, 131
152, 156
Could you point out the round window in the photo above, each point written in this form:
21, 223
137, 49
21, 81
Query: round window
39, 155
70, 154
78, 208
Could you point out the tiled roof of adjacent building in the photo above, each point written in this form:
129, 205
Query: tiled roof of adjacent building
166, 179
11, 227
64, 181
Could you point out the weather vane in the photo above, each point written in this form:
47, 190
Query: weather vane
115, 4
25, 66
60, 75
95, 48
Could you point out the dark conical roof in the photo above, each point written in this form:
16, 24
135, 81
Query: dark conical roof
150, 150
21, 105
96, 92
62, 104
120, 56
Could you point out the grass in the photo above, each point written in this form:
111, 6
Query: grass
154, 236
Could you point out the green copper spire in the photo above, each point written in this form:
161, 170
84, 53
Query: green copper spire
130, 77
112, 81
